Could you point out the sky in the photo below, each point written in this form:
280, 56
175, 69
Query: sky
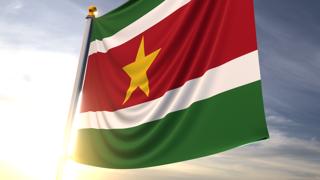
39, 47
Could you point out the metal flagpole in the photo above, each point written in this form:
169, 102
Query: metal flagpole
76, 90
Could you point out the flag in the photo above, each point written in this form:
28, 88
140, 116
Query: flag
168, 81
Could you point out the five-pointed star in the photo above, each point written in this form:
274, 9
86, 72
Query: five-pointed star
137, 71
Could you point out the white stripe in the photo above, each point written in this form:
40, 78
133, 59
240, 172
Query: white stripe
145, 22
235, 73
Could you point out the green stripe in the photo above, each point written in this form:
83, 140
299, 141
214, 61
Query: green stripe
225, 121
112, 22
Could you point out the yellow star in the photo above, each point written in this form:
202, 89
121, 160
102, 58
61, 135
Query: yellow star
137, 71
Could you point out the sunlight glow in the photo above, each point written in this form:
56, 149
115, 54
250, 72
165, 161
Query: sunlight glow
34, 100
96, 13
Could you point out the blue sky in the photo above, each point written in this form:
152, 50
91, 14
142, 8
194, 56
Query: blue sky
39, 47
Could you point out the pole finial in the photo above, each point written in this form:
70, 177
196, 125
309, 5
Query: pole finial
92, 11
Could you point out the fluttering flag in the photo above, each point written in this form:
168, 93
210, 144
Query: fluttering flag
168, 81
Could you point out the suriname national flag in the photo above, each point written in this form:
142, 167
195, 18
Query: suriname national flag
170, 80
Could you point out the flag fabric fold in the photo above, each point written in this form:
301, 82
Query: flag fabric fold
169, 81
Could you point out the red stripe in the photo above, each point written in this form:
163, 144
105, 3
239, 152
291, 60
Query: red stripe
198, 37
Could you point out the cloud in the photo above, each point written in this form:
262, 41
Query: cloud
32, 33
46, 25
13, 7
289, 42
280, 157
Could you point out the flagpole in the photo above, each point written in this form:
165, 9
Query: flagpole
76, 90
